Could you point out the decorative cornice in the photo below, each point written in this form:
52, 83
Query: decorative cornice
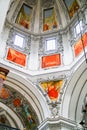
57, 123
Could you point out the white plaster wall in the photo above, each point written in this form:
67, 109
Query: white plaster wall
4, 5
68, 54
78, 95
73, 92
3, 40
33, 57
62, 15
37, 18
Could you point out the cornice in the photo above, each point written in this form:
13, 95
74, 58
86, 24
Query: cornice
57, 122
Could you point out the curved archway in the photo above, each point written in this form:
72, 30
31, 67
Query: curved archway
31, 93
75, 93
12, 115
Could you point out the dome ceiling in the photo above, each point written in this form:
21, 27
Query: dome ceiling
47, 15
29, 20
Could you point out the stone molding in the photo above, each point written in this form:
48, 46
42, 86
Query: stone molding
57, 124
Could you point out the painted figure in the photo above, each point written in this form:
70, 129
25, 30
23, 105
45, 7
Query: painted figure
24, 16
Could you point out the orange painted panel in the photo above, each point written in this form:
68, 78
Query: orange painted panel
16, 57
78, 47
50, 61
52, 88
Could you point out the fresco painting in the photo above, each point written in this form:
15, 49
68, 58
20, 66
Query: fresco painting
21, 106
4, 93
49, 19
24, 16
4, 121
16, 57
72, 6
51, 60
29, 116
78, 47
52, 88
17, 102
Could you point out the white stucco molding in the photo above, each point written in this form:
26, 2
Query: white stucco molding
13, 115
57, 123
73, 98
31, 93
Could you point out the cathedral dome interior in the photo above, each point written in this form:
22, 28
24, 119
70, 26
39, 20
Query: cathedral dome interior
43, 64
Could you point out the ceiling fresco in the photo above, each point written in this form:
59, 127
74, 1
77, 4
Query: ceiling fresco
20, 105
52, 88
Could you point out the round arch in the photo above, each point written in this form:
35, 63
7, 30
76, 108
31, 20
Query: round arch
31, 93
13, 116
75, 93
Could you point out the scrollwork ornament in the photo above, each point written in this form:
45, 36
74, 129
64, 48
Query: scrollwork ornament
60, 49
41, 46
10, 37
54, 111
59, 38
54, 107
28, 43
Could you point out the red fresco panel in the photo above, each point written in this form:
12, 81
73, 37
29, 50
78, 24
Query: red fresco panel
16, 57
78, 47
50, 61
